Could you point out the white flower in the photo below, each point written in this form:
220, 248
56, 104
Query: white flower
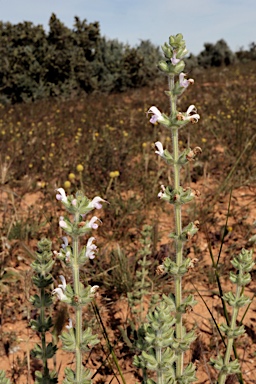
193, 118
190, 109
92, 223
65, 242
59, 293
64, 284
184, 82
95, 203
90, 248
61, 195
62, 222
157, 115
94, 288
67, 259
159, 146
70, 324
162, 194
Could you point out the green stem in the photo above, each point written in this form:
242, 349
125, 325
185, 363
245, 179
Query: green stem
142, 288
42, 319
178, 231
173, 99
78, 308
223, 375
160, 376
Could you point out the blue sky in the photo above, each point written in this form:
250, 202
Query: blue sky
130, 21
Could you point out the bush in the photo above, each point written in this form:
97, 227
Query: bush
216, 55
35, 65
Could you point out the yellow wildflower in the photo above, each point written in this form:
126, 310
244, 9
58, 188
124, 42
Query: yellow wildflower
114, 174
67, 184
79, 168
71, 176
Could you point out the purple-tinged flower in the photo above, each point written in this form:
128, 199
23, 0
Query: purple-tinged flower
90, 248
174, 60
59, 293
157, 115
62, 223
95, 203
73, 202
61, 195
70, 324
160, 150
185, 82
65, 242
92, 223
64, 284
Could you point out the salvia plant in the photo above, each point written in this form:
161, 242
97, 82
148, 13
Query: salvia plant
142, 284
166, 339
77, 295
141, 297
43, 280
243, 263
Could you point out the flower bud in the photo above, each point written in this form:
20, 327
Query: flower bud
182, 51
179, 37
172, 40
163, 66
167, 50
178, 67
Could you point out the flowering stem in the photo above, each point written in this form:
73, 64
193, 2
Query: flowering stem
178, 230
78, 308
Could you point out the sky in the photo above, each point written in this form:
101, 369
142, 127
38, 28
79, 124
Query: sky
130, 21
